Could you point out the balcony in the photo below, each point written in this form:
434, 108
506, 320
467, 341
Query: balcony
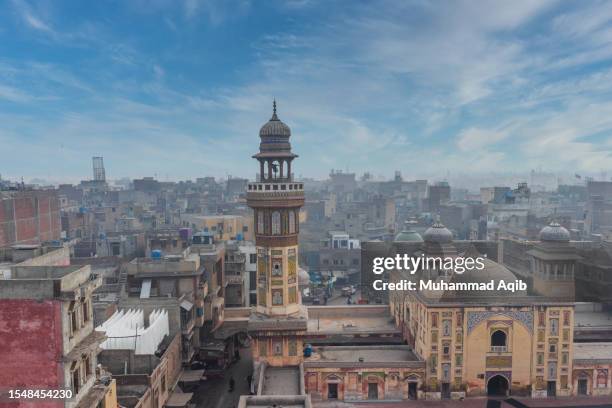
499, 349
275, 186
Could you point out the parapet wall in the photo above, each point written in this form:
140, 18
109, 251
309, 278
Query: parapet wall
343, 311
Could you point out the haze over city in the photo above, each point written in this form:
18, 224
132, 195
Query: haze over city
434, 89
306, 204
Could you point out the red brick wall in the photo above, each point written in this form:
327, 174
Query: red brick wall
29, 217
30, 348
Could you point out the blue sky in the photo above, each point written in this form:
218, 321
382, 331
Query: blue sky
179, 89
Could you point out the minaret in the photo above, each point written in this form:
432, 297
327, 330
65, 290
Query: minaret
276, 199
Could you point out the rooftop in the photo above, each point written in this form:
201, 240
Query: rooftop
213, 217
168, 266
592, 319
363, 354
593, 351
281, 381
368, 319
47, 282
277, 401
42, 272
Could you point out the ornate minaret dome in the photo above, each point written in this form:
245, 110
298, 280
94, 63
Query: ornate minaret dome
275, 154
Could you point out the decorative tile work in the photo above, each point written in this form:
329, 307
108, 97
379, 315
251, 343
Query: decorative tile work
496, 322
292, 266
499, 362
475, 318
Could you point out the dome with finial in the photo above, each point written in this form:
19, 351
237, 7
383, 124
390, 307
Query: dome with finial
554, 232
407, 234
438, 233
274, 127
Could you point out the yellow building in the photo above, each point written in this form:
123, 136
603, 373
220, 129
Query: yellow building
223, 227
482, 342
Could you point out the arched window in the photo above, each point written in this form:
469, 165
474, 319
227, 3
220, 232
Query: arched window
602, 378
498, 341
260, 222
276, 223
292, 222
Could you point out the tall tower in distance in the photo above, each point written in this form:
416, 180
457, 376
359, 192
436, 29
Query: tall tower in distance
98, 168
280, 319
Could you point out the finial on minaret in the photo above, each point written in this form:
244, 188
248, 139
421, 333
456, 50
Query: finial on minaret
274, 117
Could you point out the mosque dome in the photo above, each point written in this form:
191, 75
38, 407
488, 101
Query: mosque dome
408, 235
554, 232
439, 234
492, 271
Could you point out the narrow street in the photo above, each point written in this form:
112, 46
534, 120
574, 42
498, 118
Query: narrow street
214, 393
338, 299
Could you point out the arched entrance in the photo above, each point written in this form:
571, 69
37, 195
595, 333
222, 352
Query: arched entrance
334, 387
497, 386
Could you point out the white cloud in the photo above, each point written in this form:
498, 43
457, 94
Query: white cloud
28, 16
473, 139
13, 94
382, 85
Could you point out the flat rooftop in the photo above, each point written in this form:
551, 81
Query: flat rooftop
281, 381
593, 351
592, 319
370, 319
46, 282
276, 401
213, 217
358, 354
352, 324
42, 272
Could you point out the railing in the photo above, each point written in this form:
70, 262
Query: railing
289, 186
499, 349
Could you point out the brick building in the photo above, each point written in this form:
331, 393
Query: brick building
29, 217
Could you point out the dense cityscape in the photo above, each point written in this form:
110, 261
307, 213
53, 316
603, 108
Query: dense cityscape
306, 204
199, 294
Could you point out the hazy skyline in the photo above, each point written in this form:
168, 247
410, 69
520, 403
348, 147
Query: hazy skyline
180, 89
